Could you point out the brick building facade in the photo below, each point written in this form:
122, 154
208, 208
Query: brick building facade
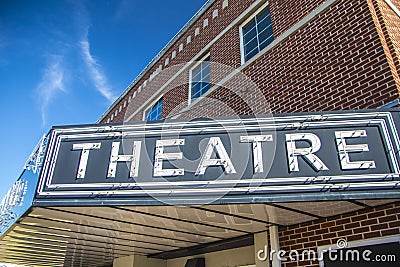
325, 55
308, 175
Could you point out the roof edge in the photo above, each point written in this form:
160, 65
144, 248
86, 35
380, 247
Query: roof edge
160, 54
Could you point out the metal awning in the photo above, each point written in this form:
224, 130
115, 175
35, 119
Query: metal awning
170, 189
95, 236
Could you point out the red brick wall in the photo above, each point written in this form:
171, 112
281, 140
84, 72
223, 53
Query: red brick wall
285, 13
345, 58
207, 34
392, 25
388, 25
335, 62
226, 51
175, 100
371, 223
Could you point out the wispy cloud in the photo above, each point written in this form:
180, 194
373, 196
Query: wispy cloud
95, 72
124, 8
52, 81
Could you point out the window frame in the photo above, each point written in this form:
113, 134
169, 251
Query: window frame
151, 106
197, 63
244, 23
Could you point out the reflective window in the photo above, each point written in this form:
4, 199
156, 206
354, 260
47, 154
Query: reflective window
201, 79
257, 34
155, 112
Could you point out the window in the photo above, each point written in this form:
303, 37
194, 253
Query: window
155, 112
200, 81
256, 34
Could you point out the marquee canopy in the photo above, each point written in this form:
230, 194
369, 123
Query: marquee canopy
168, 189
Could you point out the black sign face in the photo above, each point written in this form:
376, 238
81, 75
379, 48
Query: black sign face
223, 160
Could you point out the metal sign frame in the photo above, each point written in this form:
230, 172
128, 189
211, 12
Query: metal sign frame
381, 185
19, 199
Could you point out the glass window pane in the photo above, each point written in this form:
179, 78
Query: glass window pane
251, 46
263, 25
265, 37
206, 68
206, 78
266, 42
204, 87
250, 54
250, 33
250, 26
257, 38
155, 112
201, 79
196, 77
196, 90
262, 16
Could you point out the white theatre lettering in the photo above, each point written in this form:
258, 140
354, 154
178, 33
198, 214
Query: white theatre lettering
257, 151
307, 153
344, 150
84, 156
160, 156
116, 157
223, 160
215, 144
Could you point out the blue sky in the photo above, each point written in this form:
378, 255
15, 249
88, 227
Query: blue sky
64, 62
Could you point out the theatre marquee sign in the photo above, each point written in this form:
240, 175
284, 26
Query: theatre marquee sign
306, 156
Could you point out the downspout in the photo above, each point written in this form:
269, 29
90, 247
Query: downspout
274, 239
